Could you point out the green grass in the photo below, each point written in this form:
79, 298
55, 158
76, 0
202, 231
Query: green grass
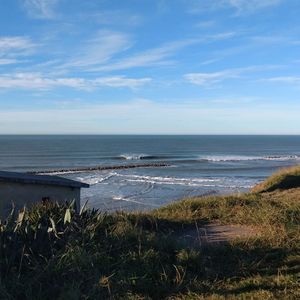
286, 178
52, 253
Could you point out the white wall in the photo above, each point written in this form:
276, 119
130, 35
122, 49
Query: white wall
28, 194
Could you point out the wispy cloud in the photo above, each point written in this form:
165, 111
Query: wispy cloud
99, 49
33, 81
206, 24
240, 6
113, 17
151, 57
212, 78
40, 9
160, 55
210, 61
120, 81
207, 79
294, 80
7, 61
11, 45
13, 48
235, 100
251, 44
249, 6
107, 51
275, 38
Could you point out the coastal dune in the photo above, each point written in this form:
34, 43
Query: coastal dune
251, 249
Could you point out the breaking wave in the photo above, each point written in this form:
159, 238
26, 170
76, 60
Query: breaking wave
168, 159
133, 156
95, 179
207, 158
235, 158
192, 182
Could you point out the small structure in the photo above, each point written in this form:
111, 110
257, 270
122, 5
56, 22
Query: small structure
24, 189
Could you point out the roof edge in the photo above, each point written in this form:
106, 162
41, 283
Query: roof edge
40, 179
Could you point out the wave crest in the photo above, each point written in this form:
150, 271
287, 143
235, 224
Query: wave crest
134, 156
236, 158
208, 158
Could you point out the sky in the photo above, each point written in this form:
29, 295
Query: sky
149, 67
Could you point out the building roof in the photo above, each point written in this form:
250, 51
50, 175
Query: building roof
40, 179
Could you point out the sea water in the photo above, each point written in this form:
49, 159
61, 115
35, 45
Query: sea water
195, 165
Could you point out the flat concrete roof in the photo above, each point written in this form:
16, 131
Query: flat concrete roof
40, 179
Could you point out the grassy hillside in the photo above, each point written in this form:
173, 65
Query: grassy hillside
284, 179
53, 253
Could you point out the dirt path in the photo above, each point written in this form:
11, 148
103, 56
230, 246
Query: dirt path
216, 234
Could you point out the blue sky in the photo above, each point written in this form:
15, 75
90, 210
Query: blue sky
150, 67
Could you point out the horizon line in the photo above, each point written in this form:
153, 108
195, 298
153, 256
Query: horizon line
149, 134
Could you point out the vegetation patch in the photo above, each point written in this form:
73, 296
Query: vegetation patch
286, 178
50, 252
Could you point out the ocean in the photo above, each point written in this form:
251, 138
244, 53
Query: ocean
177, 166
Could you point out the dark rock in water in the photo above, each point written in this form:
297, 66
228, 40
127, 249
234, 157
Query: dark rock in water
101, 168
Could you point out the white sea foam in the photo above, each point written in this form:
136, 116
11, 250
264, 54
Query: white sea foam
213, 158
235, 158
119, 198
54, 173
174, 179
282, 157
133, 156
191, 182
93, 179
129, 199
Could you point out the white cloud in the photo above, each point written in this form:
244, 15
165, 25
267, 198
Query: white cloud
99, 49
150, 57
159, 55
210, 61
208, 79
295, 80
117, 81
205, 79
248, 6
276, 38
206, 24
240, 6
235, 100
40, 9
32, 81
113, 17
7, 61
15, 45
100, 53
